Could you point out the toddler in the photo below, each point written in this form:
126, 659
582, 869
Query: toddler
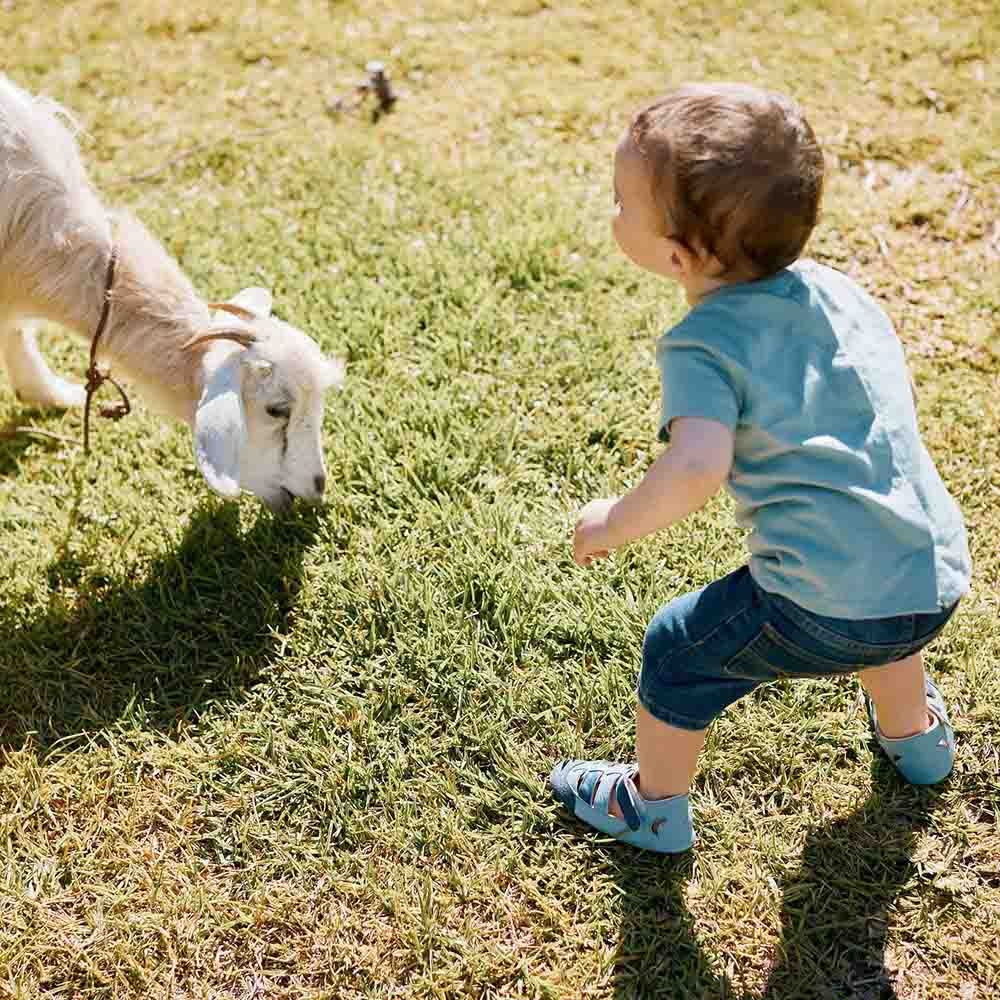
786, 383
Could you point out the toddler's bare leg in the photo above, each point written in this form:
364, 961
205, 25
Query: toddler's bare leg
899, 695
668, 757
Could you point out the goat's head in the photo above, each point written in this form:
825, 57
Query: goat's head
258, 422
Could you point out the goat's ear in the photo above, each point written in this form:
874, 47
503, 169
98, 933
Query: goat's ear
220, 428
254, 300
248, 305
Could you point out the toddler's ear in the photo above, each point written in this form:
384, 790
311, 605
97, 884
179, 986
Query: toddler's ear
681, 260
688, 263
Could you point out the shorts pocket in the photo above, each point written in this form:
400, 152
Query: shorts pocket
770, 655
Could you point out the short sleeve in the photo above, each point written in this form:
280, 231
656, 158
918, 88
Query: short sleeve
697, 380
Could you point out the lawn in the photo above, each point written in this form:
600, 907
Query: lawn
248, 756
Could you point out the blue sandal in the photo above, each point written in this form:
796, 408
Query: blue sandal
585, 788
926, 758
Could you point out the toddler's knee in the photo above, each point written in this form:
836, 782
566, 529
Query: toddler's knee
661, 637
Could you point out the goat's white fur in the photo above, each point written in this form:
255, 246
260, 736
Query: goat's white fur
55, 243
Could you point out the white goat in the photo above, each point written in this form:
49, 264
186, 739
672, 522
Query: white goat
250, 386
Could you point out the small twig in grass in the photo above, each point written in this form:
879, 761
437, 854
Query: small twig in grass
963, 199
883, 247
17, 430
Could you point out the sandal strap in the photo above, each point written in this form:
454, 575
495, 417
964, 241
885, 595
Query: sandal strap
600, 780
591, 786
627, 796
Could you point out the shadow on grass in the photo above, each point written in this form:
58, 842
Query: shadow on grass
836, 907
197, 627
834, 916
659, 957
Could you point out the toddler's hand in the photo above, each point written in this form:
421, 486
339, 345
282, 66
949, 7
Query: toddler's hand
591, 540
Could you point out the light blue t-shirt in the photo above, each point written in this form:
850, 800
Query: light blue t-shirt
848, 516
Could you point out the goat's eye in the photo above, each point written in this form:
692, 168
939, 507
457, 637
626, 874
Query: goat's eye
279, 412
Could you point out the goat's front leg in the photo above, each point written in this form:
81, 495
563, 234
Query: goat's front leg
32, 379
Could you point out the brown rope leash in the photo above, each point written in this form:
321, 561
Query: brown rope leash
96, 377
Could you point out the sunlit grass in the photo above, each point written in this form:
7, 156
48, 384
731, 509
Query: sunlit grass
304, 757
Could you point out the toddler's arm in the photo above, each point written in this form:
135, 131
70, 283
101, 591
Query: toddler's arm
680, 481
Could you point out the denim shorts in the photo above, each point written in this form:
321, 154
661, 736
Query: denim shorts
706, 649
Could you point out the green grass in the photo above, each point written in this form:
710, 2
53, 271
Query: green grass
247, 756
